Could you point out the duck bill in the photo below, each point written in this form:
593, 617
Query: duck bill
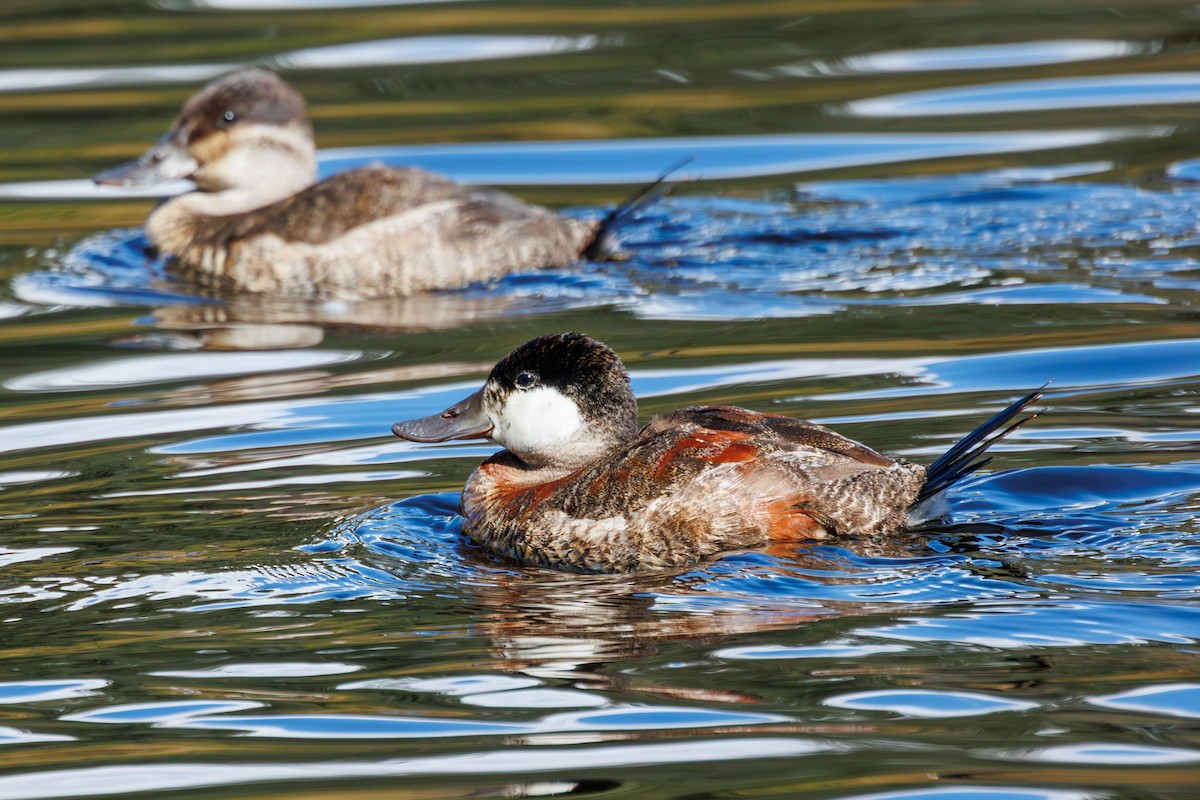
464, 420
167, 160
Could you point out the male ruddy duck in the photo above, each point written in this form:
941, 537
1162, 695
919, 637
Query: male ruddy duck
580, 488
259, 224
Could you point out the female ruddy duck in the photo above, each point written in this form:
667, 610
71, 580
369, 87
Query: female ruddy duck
580, 488
259, 224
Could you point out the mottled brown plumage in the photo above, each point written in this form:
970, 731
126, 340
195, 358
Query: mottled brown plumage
691, 484
580, 488
259, 224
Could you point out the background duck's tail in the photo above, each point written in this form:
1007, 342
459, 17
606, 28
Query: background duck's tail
967, 455
603, 243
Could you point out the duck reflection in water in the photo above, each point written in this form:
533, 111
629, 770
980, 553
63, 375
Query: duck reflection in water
249, 322
259, 224
562, 627
558, 627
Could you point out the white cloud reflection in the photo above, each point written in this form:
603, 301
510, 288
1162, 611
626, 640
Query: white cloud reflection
1047, 94
951, 59
381, 52
13, 81
431, 50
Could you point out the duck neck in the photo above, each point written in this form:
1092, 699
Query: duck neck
178, 224
250, 178
566, 458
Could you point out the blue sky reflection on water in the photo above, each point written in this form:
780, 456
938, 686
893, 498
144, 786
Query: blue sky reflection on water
1037, 95
641, 161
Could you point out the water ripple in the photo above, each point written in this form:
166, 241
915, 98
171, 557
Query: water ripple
339, 726
164, 368
974, 793
1046, 94
639, 161
1002, 238
927, 703
281, 669
1052, 624
40, 691
432, 50
1170, 699
131, 778
1107, 754
952, 59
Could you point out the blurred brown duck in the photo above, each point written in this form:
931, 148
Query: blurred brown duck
579, 487
258, 223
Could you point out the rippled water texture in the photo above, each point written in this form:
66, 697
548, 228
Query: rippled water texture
220, 577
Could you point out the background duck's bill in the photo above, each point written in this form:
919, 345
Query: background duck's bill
166, 161
463, 420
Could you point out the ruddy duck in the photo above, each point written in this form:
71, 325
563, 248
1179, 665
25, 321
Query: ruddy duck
580, 488
259, 224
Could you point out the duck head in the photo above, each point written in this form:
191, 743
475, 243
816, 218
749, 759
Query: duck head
559, 401
240, 131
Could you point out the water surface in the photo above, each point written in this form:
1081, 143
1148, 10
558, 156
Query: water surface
222, 578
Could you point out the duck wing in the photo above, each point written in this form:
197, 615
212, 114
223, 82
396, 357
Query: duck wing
345, 201
676, 447
773, 430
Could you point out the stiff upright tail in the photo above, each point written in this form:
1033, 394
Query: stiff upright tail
603, 243
964, 458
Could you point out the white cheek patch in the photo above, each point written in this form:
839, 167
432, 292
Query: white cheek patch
535, 419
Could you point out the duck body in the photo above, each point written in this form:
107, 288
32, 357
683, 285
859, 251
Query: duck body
258, 223
371, 232
580, 488
691, 484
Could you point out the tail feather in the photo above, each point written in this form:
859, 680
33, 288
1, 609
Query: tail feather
600, 246
964, 457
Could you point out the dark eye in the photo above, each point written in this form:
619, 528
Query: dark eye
226, 119
525, 380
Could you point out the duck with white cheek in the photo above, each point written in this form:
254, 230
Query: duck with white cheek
258, 223
579, 487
